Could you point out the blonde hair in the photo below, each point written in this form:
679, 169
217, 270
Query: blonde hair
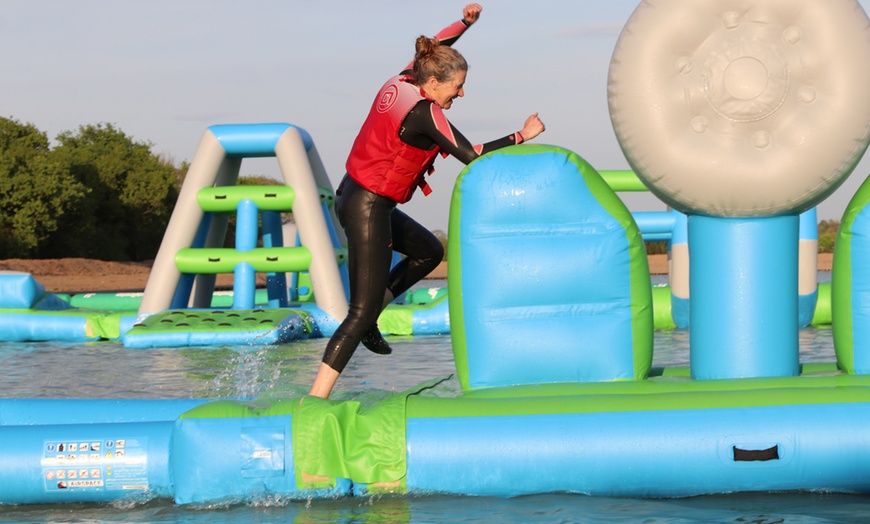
435, 60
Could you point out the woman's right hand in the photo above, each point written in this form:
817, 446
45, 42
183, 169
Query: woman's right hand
533, 127
471, 13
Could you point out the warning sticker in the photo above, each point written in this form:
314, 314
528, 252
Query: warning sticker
95, 465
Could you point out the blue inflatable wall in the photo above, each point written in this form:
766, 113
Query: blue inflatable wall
548, 275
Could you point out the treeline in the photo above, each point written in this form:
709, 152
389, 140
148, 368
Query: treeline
827, 235
96, 194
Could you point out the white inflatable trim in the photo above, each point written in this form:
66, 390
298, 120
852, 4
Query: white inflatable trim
742, 107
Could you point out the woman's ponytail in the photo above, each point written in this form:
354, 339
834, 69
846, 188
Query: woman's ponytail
433, 59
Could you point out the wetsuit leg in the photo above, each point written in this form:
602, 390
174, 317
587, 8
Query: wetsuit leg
423, 252
365, 218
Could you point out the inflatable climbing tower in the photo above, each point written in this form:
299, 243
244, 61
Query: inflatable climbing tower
192, 252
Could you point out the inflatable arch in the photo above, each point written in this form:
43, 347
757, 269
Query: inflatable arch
215, 166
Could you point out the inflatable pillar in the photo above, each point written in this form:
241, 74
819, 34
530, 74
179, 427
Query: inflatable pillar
850, 285
735, 282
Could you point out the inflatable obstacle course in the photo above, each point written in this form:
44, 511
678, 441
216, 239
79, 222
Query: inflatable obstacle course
112, 316
618, 434
96, 316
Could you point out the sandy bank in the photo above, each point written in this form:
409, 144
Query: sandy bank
79, 275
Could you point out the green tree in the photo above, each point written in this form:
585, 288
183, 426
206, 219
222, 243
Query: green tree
827, 235
658, 247
132, 194
36, 193
258, 180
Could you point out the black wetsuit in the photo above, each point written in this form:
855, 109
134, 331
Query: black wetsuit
375, 228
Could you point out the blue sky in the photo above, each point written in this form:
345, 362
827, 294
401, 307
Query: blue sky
164, 70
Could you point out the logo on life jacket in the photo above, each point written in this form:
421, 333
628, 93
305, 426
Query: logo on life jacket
389, 95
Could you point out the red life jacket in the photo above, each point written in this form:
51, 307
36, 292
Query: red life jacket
379, 161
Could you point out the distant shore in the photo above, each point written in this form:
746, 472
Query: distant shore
79, 275
658, 265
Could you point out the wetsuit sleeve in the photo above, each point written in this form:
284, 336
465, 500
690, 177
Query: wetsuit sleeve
447, 36
450, 34
427, 126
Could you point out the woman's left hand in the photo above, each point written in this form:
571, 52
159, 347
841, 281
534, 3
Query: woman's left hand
533, 127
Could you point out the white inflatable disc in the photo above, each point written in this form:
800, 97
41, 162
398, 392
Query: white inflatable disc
742, 107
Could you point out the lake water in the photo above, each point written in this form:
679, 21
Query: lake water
108, 370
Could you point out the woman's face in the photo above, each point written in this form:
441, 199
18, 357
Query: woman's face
445, 92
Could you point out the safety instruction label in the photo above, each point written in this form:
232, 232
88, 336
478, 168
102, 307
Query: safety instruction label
98, 465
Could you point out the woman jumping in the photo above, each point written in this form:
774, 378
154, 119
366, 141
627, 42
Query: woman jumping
404, 131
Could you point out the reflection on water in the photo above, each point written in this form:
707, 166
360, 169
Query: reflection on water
108, 369
756, 508
816, 344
